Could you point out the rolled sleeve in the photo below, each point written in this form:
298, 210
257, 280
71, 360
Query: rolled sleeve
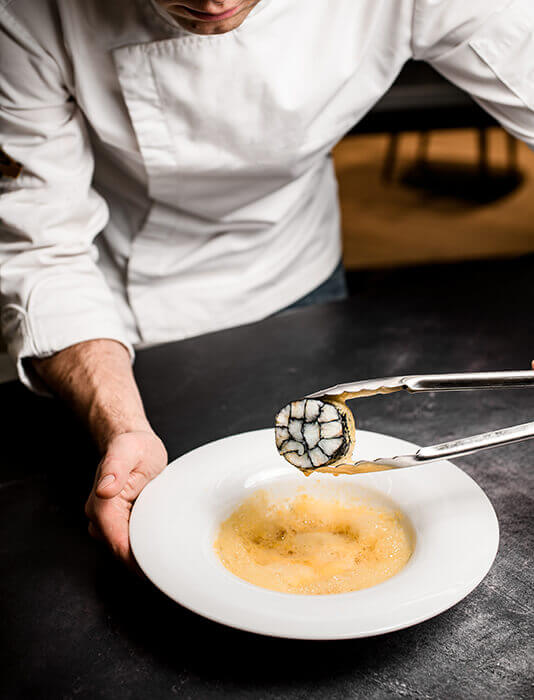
41, 329
486, 48
52, 292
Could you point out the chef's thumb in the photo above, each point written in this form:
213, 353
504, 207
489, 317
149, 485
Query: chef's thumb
114, 470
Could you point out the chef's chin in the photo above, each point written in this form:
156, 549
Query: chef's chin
202, 26
221, 27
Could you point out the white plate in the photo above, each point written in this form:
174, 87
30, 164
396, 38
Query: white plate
175, 521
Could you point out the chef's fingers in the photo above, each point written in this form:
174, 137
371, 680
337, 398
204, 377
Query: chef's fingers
109, 523
111, 518
131, 461
114, 470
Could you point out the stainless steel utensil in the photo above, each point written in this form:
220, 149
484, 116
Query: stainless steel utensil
441, 382
431, 382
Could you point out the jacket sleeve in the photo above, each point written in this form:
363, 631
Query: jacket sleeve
485, 47
52, 293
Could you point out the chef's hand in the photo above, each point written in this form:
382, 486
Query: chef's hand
95, 379
131, 460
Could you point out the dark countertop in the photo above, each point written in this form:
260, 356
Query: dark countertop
76, 625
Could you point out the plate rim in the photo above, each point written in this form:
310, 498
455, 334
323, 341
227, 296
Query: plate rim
257, 628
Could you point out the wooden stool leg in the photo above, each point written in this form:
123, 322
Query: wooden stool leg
391, 157
483, 161
511, 144
422, 149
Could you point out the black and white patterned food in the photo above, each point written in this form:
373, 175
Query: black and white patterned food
312, 433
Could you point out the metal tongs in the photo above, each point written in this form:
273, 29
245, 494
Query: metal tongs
442, 382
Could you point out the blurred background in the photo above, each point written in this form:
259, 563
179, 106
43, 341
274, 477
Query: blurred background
429, 177
431, 188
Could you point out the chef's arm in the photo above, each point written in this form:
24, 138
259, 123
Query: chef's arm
56, 308
95, 379
485, 48
52, 292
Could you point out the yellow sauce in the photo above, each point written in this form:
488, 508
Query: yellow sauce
313, 546
348, 395
363, 468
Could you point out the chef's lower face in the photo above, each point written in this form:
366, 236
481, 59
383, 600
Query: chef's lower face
209, 16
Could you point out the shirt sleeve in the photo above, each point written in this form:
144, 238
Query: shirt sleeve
486, 47
52, 293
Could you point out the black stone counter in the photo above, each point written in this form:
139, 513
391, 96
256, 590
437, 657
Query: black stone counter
75, 624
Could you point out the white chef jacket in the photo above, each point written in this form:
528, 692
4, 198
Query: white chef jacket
204, 161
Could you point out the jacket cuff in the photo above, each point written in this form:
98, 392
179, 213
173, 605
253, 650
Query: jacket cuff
41, 330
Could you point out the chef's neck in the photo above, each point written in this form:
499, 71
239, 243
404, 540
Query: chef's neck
209, 16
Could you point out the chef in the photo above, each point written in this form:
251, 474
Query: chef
167, 172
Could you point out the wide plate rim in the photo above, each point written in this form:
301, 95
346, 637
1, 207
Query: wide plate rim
258, 628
